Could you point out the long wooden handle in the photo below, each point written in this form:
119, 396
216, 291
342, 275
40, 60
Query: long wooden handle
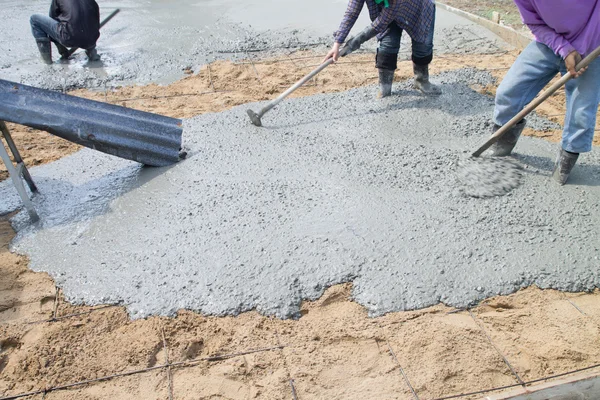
292, 89
535, 103
343, 53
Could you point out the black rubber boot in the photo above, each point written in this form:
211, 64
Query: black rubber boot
92, 54
563, 166
62, 50
422, 80
386, 78
387, 64
45, 50
507, 142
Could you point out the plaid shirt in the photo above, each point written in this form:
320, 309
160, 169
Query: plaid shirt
413, 16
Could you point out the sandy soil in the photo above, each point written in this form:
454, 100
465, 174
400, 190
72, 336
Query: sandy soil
334, 351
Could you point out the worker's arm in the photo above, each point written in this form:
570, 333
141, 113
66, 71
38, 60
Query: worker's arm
548, 36
350, 16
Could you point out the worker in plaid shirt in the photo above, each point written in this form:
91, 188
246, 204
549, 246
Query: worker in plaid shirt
389, 18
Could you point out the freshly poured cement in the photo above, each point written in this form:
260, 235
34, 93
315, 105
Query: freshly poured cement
488, 176
334, 188
154, 40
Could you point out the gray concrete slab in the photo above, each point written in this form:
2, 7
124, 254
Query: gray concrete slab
335, 188
153, 41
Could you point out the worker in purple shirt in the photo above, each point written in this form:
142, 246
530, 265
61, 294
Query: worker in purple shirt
70, 23
389, 18
565, 31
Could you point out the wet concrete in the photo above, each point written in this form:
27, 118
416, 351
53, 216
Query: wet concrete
334, 188
154, 41
488, 176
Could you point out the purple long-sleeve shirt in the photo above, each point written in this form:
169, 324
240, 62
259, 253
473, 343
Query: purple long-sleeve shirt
563, 25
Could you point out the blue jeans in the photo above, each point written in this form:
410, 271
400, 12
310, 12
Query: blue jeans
44, 28
390, 43
531, 72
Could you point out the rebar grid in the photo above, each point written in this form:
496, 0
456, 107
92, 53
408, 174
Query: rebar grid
167, 361
574, 305
210, 79
286, 366
56, 303
168, 366
62, 317
528, 383
482, 328
179, 364
288, 58
404, 376
254, 67
174, 95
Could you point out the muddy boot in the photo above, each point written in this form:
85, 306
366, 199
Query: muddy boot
45, 50
563, 166
387, 64
422, 80
62, 50
92, 54
386, 78
507, 142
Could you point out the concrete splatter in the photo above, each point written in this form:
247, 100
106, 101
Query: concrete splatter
488, 176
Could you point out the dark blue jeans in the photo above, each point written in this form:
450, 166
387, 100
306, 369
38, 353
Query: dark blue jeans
44, 28
390, 43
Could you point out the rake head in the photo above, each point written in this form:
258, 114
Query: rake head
254, 118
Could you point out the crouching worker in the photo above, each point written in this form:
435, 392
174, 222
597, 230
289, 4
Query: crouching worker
565, 31
389, 19
72, 23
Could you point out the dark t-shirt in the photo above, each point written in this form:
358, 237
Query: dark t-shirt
79, 22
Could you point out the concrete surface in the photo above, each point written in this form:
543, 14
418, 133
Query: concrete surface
334, 188
518, 39
153, 40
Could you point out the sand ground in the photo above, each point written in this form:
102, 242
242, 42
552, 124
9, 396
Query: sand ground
334, 350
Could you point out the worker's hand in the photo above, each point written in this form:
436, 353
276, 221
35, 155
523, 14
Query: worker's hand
333, 53
571, 61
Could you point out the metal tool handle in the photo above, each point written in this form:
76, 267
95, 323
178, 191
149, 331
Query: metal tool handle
535, 103
16, 155
343, 53
292, 89
112, 14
